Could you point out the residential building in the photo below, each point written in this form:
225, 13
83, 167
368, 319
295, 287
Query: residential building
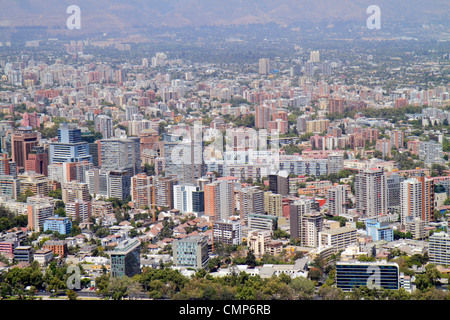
371, 192
379, 231
227, 232
262, 222
339, 238
62, 225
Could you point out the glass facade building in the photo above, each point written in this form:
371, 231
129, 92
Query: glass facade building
125, 259
350, 275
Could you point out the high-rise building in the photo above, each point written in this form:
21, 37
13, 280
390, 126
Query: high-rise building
297, 210
264, 66
397, 137
37, 161
104, 124
314, 56
371, 192
336, 105
273, 204
164, 191
9, 187
279, 183
337, 200
120, 154
417, 199
251, 200
22, 141
430, 152
263, 114
335, 162
70, 146
7, 166
143, 191
384, 146
219, 199
189, 199
183, 159
393, 191
262, 222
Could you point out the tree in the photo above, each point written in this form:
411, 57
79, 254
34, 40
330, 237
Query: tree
250, 260
303, 288
72, 295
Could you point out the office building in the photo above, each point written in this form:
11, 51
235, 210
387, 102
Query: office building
352, 275
37, 161
371, 192
22, 141
279, 183
24, 254
189, 199
125, 259
393, 183
120, 154
227, 232
262, 222
70, 146
190, 252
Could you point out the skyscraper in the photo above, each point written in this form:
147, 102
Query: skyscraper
70, 146
371, 192
264, 66
337, 200
120, 154
104, 124
37, 161
251, 200
22, 141
417, 199
335, 162
219, 199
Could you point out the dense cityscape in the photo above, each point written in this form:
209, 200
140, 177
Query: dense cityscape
261, 166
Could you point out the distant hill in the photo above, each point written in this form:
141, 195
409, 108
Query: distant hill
104, 15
